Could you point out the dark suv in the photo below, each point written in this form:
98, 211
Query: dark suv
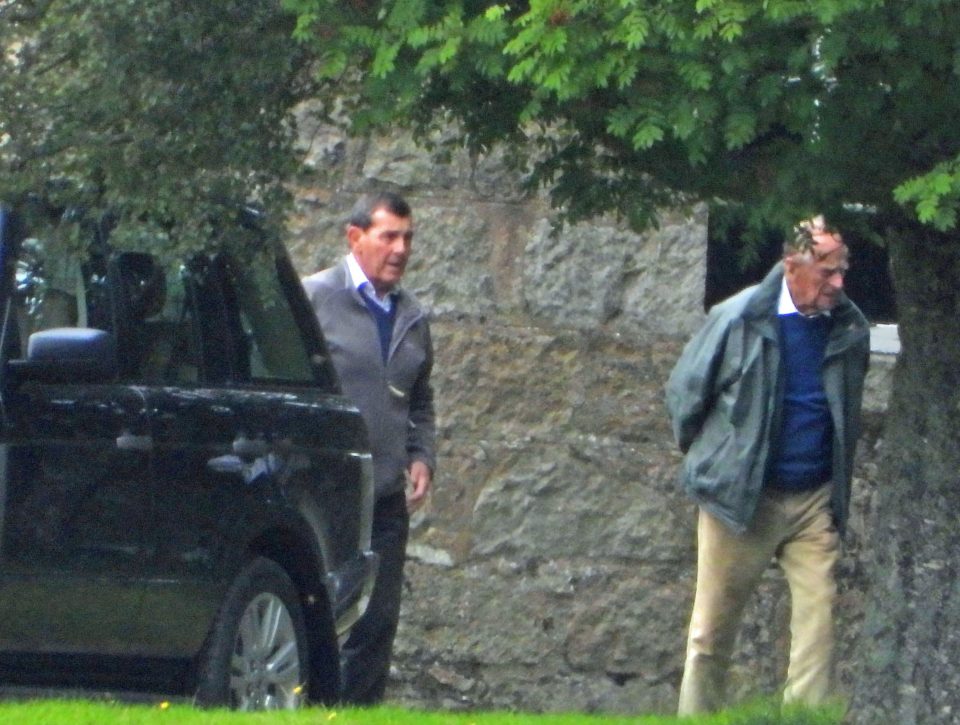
185, 495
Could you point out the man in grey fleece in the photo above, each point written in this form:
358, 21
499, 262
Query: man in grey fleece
379, 339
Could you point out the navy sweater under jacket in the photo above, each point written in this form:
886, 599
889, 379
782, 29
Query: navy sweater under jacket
805, 451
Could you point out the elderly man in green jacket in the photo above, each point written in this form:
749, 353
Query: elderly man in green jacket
765, 404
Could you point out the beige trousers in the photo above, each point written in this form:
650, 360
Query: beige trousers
797, 530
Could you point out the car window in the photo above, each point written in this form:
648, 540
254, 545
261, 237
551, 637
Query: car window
56, 286
128, 294
203, 321
154, 322
275, 348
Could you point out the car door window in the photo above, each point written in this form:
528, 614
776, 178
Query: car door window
57, 285
156, 328
130, 294
275, 349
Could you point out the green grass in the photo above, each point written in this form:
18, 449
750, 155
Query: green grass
76, 712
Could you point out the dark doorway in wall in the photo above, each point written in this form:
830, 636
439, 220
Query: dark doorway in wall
729, 269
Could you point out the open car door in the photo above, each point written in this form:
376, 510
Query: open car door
74, 466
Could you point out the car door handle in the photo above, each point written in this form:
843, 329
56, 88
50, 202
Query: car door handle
249, 448
127, 441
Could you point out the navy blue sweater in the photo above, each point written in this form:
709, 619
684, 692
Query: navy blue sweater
385, 320
805, 452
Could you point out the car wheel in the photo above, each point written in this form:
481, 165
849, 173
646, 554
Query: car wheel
256, 657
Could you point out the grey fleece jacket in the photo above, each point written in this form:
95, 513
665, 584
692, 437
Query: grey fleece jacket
396, 398
725, 398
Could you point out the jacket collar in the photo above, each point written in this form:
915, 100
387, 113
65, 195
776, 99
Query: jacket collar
761, 307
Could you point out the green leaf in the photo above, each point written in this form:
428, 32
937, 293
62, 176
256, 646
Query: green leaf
621, 120
696, 75
383, 60
495, 12
740, 129
647, 135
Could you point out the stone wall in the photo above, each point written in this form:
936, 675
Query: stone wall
554, 567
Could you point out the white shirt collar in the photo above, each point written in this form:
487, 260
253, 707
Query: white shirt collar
360, 282
786, 306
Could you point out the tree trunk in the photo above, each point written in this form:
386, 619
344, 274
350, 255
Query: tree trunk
910, 645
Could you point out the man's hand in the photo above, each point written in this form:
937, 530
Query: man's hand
420, 479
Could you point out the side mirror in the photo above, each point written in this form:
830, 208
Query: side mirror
67, 355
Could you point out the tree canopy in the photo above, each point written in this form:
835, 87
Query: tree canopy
789, 106
168, 114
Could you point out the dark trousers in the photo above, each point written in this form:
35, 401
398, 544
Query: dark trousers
365, 657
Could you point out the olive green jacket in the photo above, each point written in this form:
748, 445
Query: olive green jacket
725, 398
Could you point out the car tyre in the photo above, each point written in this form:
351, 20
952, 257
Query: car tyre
256, 657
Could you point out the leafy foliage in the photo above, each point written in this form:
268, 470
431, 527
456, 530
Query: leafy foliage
789, 106
167, 113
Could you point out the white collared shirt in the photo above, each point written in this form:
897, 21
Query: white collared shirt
364, 286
